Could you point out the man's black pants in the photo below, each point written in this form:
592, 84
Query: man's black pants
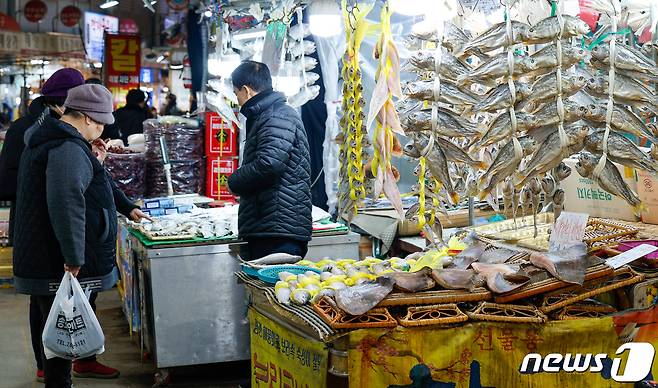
261, 247
39, 310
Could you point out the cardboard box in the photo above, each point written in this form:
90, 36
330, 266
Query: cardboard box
221, 137
647, 189
583, 195
219, 169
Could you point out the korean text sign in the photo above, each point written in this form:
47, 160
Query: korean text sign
280, 358
123, 60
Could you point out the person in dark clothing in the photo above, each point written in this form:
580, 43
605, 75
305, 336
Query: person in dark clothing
68, 199
49, 104
129, 118
171, 108
274, 181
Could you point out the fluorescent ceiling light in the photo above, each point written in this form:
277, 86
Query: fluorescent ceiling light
325, 18
160, 58
109, 4
251, 33
176, 67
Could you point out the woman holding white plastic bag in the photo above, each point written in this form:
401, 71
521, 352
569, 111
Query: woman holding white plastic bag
72, 330
66, 214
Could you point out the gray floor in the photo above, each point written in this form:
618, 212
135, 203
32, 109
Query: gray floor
18, 369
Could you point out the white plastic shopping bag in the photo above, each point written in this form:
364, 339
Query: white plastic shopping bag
72, 330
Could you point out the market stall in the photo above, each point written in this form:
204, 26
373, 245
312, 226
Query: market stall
521, 107
177, 274
446, 324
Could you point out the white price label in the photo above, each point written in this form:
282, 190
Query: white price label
629, 256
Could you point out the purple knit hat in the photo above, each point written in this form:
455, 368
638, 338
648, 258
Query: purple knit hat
61, 81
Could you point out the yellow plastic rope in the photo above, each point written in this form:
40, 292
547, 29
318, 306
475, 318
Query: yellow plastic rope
421, 195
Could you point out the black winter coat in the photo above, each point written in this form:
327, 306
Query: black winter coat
129, 120
10, 157
274, 181
83, 226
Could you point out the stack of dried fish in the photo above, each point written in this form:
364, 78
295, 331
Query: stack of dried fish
354, 139
539, 108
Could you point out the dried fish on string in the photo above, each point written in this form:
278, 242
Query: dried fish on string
500, 97
449, 93
496, 67
621, 150
383, 112
550, 29
626, 58
501, 128
506, 163
457, 154
496, 37
626, 89
623, 120
609, 179
551, 152
545, 89
450, 68
449, 123
351, 185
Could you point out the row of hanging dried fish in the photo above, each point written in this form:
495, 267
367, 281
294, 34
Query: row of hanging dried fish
512, 119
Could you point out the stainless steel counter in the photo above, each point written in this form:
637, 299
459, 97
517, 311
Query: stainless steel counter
193, 311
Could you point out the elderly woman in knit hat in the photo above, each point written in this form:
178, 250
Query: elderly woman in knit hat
68, 199
49, 104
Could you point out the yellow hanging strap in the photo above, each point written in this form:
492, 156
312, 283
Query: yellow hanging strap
421, 193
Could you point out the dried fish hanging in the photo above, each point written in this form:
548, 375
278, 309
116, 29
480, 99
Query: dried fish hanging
422, 178
383, 113
518, 150
559, 102
351, 186
604, 169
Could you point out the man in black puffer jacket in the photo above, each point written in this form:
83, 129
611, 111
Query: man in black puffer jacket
274, 181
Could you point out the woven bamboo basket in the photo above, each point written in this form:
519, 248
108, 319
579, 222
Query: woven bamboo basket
580, 311
337, 319
438, 314
495, 312
621, 278
551, 284
435, 297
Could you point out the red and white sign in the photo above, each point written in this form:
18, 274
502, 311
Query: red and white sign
221, 137
35, 10
128, 26
8, 23
70, 15
217, 177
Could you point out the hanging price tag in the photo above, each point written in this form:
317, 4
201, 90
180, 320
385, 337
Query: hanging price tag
569, 229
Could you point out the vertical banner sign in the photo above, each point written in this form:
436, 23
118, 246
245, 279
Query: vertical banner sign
280, 358
122, 64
